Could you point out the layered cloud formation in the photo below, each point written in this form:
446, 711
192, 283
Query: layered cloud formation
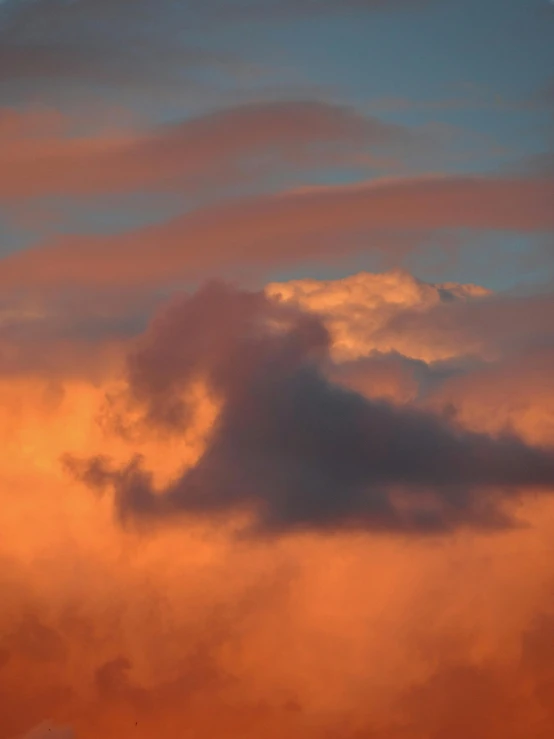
286, 230
42, 156
276, 361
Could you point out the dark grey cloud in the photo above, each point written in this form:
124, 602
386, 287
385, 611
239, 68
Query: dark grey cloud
294, 449
125, 43
136, 41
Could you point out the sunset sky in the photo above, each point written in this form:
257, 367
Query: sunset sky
276, 369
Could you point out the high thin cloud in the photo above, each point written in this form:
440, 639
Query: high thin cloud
285, 229
52, 41
37, 158
295, 450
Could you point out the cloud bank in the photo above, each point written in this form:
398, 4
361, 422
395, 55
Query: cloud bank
342, 617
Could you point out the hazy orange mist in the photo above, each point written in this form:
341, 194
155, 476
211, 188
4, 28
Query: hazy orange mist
188, 630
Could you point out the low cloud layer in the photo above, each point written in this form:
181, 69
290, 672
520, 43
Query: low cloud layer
342, 625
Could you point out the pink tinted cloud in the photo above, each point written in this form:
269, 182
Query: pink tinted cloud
285, 229
38, 158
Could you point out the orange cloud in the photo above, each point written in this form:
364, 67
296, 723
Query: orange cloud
464, 347
47, 731
188, 629
358, 311
514, 392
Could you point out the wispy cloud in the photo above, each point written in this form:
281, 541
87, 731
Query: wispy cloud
40, 159
135, 42
286, 229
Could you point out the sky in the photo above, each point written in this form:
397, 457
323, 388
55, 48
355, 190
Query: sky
276, 361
